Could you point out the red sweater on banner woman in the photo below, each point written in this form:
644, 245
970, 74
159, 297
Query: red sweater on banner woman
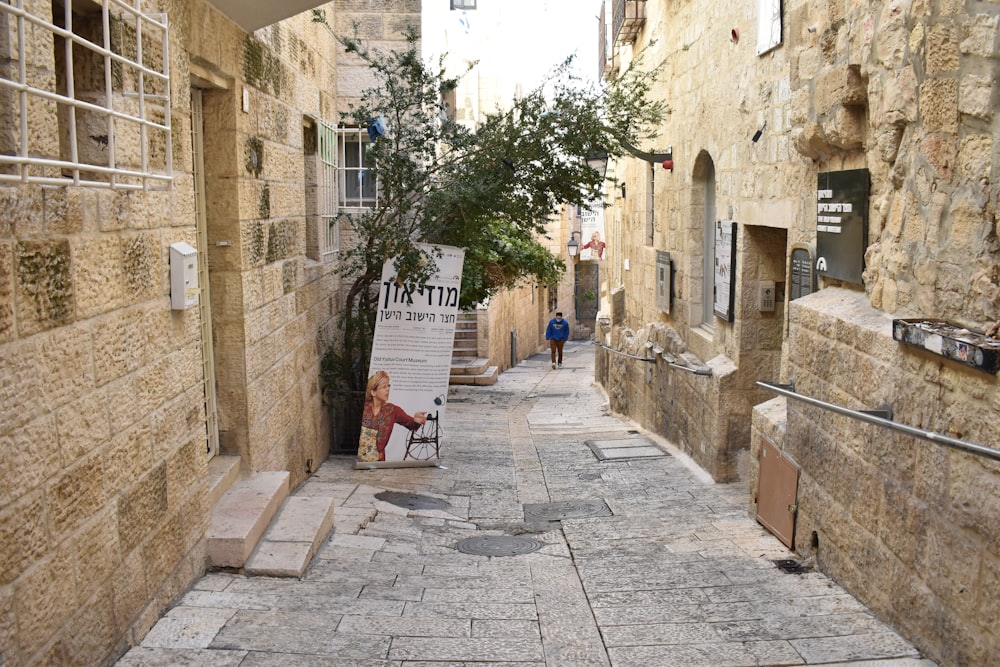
381, 415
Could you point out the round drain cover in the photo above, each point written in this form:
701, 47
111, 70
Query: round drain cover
498, 545
567, 509
412, 501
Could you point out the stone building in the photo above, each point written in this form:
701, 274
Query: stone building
171, 177
833, 170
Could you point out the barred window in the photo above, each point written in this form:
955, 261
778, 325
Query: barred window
93, 108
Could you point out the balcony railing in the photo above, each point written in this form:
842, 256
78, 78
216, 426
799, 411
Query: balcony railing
629, 17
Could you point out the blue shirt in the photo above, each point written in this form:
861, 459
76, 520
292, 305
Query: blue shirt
557, 330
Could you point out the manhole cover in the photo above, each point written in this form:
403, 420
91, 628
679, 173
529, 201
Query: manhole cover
412, 501
567, 509
791, 566
498, 545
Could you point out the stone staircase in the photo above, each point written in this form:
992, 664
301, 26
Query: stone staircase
256, 527
467, 367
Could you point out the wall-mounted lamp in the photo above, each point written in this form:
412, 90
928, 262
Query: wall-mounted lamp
599, 161
573, 246
665, 159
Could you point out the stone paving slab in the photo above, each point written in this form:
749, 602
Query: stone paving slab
475, 649
678, 576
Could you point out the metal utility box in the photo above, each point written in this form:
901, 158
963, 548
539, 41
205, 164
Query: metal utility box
777, 488
183, 276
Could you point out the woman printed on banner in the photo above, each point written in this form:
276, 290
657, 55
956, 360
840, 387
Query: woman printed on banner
379, 416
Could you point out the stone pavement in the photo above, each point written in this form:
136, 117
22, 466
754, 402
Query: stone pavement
662, 569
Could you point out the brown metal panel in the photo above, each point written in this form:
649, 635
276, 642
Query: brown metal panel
777, 487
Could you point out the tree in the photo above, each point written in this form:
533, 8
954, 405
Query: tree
489, 190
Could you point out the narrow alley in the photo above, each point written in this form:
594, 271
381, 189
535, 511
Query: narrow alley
613, 551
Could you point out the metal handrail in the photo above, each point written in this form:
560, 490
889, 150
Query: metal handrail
626, 354
941, 439
674, 364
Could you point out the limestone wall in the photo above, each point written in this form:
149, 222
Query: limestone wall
906, 524
103, 489
905, 89
272, 300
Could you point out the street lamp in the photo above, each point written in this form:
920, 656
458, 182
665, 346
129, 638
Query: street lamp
573, 246
598, 162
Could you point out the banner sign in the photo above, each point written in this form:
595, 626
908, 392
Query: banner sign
407, 389
592, 228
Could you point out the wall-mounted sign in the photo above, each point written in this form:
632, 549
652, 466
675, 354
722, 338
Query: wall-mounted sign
801, 278
768, 25
725, 264
664, 281
842, 224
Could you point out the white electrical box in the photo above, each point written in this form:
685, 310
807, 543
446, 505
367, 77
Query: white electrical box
183, 276
767, 296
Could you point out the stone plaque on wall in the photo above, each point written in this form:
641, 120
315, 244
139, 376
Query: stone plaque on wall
842, 224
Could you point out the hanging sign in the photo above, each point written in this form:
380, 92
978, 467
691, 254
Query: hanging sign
407, 389
592, 228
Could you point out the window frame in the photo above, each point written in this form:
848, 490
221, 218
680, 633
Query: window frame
366, 198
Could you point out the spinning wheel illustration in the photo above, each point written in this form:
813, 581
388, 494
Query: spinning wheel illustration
424, 443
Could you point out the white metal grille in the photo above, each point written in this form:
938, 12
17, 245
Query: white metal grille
327, 195
84, 94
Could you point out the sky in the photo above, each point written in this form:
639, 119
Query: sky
526, 37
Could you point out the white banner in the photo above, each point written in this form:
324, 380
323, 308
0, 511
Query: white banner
407, 389
592, 246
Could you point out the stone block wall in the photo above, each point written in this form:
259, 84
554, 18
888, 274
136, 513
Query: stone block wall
103, 480
102, 500
906, 524
907, 90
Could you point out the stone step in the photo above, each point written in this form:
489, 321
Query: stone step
482, 379
463, 354
223, 471
293, 538
469, 365
468, 334
241, 515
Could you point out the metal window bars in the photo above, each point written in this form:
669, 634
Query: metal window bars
94, 108
327, 199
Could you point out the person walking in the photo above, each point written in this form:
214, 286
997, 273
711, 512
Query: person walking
557, 333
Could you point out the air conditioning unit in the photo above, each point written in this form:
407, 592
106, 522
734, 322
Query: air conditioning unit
664, 281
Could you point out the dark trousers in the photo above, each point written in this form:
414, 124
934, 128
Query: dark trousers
557, 346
